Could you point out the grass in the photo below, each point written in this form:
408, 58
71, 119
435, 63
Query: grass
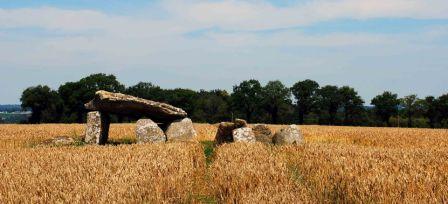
122, 141
209, 148
79, 142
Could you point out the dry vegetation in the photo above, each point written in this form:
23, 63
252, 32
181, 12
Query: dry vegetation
337, 164
131, 173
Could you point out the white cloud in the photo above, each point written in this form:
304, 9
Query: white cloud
228, 15
258, 15
123, 41
53, 19
90, 41
292, 38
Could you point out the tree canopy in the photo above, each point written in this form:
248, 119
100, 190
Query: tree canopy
352, 105
247, 97
45, 104
305, 95
272, 103
386, 105
275, 97
76, 94
329, 101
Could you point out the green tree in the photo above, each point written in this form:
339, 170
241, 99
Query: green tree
386, 105
275, 97
76, 94
352, 104
411, 106
182, 98
146, 90
329, 100
442, 107
305, 95
45, 104
212, 106
70, 96
246, 97
430, 110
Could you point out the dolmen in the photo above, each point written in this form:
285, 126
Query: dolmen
239, 131
163, 123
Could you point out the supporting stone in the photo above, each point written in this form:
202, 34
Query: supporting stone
97, 131
244, 134
263, 133
181, 130
225, 129
224, 133
288, 135
149, 132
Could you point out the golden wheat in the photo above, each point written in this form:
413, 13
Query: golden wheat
355, 174
336, 164
17, 136
126, 173
253, 172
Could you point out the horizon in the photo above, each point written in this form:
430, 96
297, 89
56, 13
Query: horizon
230, 91
372, 46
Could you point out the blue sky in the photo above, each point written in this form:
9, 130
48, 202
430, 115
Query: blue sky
396, 45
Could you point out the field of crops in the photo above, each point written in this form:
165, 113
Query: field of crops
336, 164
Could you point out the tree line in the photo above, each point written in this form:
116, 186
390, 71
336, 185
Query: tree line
306, 102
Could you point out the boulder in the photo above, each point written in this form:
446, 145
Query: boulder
149, 132
63, 140
263, 133
225, 130
97, 130
181, 130
224, 133
288, 135
244, 134
122, 104
239, 123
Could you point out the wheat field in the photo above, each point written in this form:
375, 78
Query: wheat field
335, 165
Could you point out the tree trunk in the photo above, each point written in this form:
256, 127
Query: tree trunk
79, 116
301, 117
332, 117
432, 123
346, 115
388, 122
274, 115
120, 118
36, 116
248, 116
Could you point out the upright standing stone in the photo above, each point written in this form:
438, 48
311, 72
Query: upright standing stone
244, 134
149, 132
181, 130
97, 128
263, 133
224, 133
225, 130
288, 135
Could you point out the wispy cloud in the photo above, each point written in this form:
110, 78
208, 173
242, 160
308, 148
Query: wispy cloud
234, 39
256, 15
228, 15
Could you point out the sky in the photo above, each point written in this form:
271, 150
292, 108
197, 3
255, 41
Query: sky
373, 46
